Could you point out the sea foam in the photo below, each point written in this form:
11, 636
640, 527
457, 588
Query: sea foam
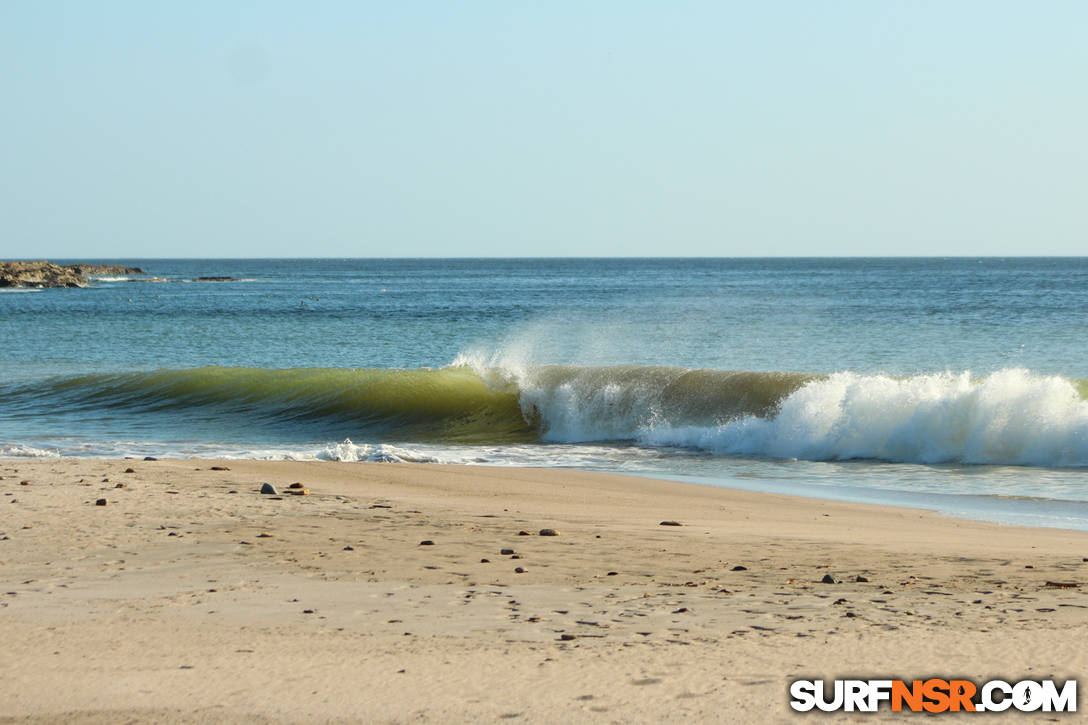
1008, 417
22, 451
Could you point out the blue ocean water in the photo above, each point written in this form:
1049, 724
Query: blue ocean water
956, 384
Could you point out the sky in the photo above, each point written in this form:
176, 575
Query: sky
627, 128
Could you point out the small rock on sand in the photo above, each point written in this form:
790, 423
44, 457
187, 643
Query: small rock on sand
426, 542
860, 578
828, 579
549, 532
670, 523
296, 484
519, 570
506, 552
269, 489
738, 567
130, 470
220, 468
150, 458
101, 502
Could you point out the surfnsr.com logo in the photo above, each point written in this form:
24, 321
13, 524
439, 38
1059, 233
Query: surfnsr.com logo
933, 695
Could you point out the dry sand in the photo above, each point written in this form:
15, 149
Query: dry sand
190, 597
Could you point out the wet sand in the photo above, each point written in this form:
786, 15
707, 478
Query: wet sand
190, 597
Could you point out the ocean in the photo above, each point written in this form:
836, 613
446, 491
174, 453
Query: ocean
952, 384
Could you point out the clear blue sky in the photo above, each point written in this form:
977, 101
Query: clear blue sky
555, 128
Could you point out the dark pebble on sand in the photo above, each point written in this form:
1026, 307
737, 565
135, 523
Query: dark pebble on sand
426, 542
349, 548
612, 573
24, 483
130, 470
268, 488
738, 567
549, 532
524, 533
296, 484
519, 570
567, 637
506, 552
485, 561
220, 468
859, 578
150, 458
101, 502
850, 614
828, 579
669, 523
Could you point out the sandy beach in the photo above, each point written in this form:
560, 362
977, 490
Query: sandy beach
191, 597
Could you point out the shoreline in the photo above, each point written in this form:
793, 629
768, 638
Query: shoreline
190, 597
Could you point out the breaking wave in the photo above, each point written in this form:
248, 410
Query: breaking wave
1008, 417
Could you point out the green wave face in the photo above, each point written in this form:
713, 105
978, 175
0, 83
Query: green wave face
456, 404
453, 404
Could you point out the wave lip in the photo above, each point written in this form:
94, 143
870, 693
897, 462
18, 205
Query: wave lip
580, 404
1010, 417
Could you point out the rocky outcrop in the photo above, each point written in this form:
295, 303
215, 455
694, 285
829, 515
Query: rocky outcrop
104, 269
47, 274
39, 274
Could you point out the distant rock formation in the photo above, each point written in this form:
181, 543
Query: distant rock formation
47, 274
100, 269
39, 274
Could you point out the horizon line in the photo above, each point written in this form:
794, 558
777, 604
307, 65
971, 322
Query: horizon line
563, 257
